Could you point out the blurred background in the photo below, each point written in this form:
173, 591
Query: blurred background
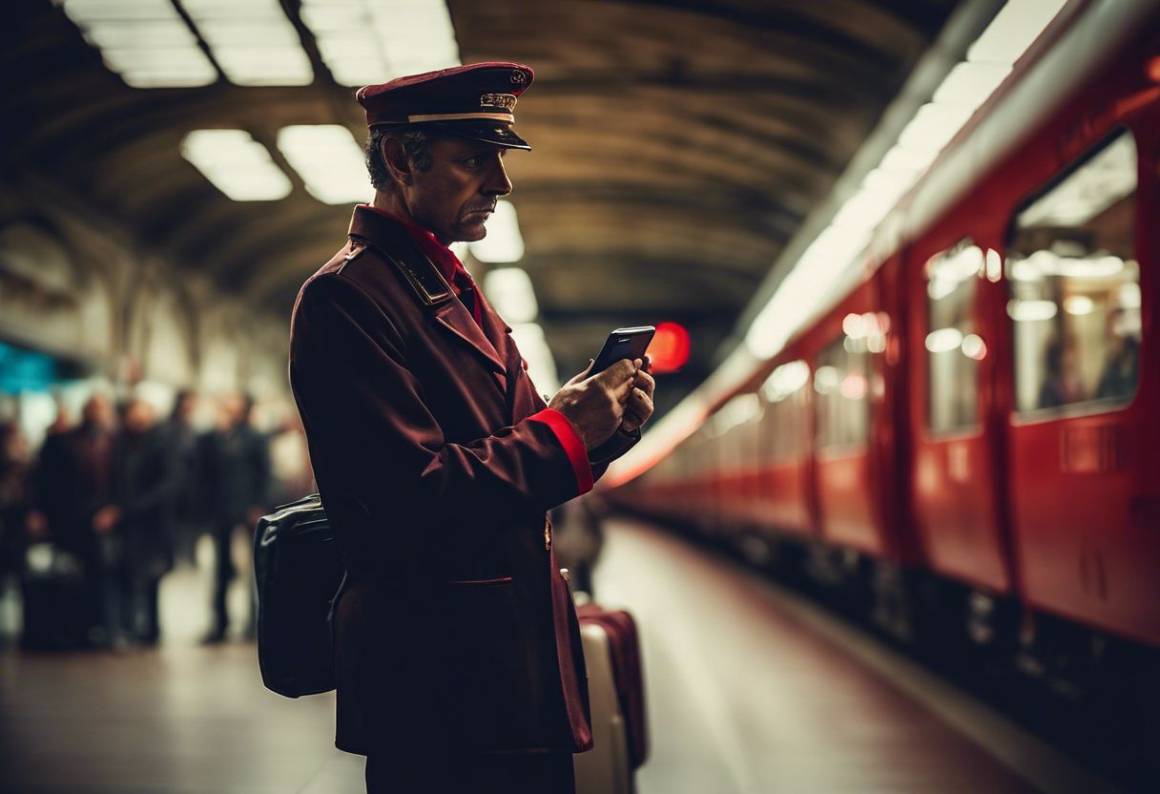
902, 304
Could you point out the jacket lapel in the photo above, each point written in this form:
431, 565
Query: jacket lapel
453, 316
396, 244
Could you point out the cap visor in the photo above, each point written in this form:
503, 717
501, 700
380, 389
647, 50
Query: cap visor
496, 134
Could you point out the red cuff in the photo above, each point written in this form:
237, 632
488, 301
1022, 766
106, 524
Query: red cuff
570, 440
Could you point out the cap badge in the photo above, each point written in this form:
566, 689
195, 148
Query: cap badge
518, 77
504, 101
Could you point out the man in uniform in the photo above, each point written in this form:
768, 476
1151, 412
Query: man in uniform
457, 652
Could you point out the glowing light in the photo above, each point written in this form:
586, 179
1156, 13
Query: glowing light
368, 41
1129, 295
252, 40
742, 409
970, 84
826, 379
785, 380
510, 290
328, 159
854, 326
974, 347
503, 242
1078, 305
1028, 311
853, 387
146, 42
1013, 30
669, 349
994, 265
944, 340
236, 164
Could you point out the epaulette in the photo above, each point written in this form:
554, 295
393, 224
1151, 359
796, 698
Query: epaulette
419, 271
424, 278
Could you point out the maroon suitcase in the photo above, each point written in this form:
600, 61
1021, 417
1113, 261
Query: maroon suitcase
626, 672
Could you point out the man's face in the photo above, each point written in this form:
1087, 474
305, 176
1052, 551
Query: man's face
455, 196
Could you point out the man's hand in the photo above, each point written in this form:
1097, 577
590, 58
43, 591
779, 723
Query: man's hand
595, 405
640, 401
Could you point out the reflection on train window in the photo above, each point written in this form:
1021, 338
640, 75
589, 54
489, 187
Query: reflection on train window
841, 383
733, 427
786, 415
953, 346
1075, 287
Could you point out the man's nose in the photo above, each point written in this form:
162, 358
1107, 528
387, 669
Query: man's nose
497, 183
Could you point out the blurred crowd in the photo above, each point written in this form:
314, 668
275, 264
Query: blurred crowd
92, 521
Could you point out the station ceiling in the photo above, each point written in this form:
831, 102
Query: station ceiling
679, 144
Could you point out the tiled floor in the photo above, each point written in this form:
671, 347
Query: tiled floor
746, 694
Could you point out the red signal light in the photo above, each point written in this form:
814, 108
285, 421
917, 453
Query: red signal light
669, 349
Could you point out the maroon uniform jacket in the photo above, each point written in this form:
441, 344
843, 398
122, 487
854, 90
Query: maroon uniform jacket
437, 461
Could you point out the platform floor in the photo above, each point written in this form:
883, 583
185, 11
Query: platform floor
750, 691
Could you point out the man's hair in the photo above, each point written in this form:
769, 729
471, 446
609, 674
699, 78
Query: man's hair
416, 145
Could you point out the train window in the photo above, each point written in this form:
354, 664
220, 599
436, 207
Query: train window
842, 385
786, 419
953, 347
1075, 287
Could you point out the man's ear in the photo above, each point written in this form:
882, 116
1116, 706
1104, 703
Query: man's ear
396, 160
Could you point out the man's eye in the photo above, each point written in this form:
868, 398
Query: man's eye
473, 162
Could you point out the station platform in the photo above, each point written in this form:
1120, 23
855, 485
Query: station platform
750, 690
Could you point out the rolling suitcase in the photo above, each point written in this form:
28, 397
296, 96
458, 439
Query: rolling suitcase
616, 693
58, 608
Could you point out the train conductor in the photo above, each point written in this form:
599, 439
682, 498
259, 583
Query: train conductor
457, 653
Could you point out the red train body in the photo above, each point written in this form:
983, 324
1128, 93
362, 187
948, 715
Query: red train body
971, 410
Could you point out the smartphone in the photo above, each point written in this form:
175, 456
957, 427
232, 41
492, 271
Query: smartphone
627, 343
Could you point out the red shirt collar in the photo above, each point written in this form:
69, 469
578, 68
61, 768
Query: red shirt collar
443, 257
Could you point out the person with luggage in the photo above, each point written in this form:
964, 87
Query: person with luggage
236, 459
457, 654
73, 512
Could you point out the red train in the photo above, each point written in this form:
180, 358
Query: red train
974, 429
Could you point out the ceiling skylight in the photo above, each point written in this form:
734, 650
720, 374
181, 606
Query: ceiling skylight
236, 164
252, 41
328, 159
144, 41
372, 41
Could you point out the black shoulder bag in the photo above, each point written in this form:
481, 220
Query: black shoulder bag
298, 574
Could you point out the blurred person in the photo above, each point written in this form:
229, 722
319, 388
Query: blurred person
182, 440
15, 470
1061, 381
457, 651
1122, 367
74, 510
144, 479
236, 459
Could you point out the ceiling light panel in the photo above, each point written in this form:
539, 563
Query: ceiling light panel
372, 41
146, 42
328, 159
252, 41
236, 164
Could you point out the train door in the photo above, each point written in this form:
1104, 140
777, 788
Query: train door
783, 498
1081, 271
955, 448
843, 462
